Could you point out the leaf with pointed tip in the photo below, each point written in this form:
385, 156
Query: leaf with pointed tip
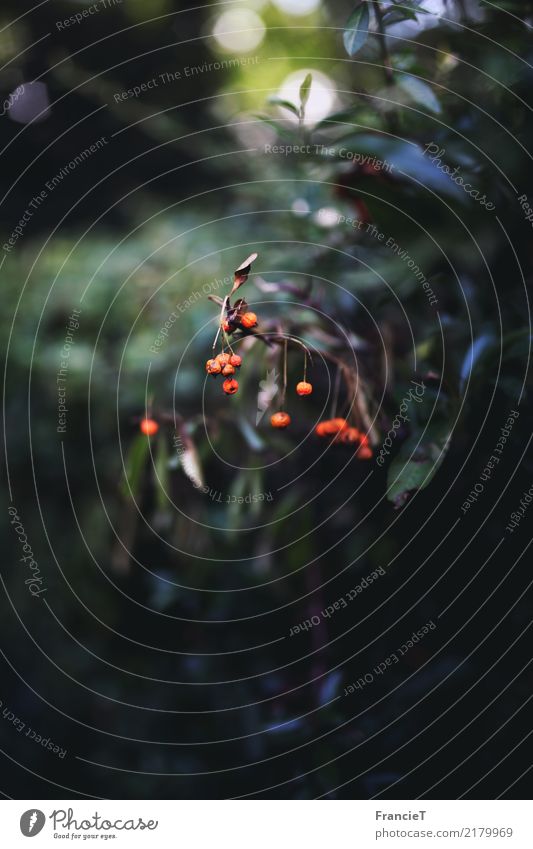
419, 92
242, 272
415, 465
476, 352
392, 15
305, 90
280, 129
285, 104
356, 31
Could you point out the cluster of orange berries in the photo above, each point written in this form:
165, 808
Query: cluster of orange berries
225, 364
340, 431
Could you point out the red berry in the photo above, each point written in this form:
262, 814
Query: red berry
227, 327
213, 367
249, 319
230, 386
304, 388
365, 452
223, 359
235, 360
149, 427
280, 420
227, 370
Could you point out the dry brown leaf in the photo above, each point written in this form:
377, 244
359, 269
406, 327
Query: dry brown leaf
242, 272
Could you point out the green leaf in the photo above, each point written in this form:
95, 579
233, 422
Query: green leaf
286, 104
161, 470
134, 467
419, 92
305, 90
475, 354
343, 117
394, 15
402, 11
356, 32
416, 5
408, 160
415, 465
281, 130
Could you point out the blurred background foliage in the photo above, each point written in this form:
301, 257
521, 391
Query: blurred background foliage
183, 190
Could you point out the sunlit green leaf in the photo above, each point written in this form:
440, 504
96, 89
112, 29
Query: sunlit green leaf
285, 104
281, 129
305, 90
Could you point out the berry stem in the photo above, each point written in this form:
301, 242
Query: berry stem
221, 319
149, 404
336, 390
285, 345
226, 339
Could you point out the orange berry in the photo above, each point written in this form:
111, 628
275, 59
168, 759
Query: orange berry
365, 452
249, 319
223, 359
230, 386
280, 420
333, 426
349, 435
227, 370
213, 367
320, 429
149, 427
235, 360
304, 388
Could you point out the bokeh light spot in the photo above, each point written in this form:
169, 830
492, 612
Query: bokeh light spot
239, 30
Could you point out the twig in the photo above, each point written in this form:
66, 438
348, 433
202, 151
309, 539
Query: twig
335, 398
284, 393
387, 64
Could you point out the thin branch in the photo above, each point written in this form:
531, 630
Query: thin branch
385, 56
